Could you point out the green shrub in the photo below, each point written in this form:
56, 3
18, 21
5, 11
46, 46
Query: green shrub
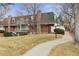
7, 34
59, 31
1, 31
22, 33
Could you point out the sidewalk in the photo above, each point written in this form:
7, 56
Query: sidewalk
44, 48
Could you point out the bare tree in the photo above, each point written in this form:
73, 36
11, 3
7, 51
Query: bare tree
4, 8
69, 11
76, 32
19, 13
32, 9
72, 11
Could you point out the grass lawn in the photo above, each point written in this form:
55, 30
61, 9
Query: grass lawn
14, 46
66, 49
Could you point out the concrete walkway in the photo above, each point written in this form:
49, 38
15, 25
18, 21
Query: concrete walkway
44, 48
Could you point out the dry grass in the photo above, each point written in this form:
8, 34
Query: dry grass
14, 46
66, 49
1, 35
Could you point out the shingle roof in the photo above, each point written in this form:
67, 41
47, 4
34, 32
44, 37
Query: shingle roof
45, 19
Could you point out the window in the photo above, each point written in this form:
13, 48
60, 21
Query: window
13, 20
24, 28
24, 20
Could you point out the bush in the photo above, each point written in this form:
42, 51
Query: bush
59, 31
22, 33
7, 34
1, 31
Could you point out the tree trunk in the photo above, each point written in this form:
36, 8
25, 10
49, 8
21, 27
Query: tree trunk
77, 26
77, 32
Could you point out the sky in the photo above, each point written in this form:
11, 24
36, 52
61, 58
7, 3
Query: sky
47, 7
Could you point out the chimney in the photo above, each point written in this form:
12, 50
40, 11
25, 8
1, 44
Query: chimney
38, 18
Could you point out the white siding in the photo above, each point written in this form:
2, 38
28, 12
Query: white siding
1, 27
52, 29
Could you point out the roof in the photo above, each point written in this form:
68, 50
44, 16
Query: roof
45, 19
18, 20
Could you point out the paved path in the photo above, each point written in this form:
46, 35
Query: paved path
44, 48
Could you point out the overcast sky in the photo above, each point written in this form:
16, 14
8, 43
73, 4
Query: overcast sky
45, 8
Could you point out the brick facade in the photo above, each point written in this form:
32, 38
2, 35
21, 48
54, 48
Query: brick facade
15, 24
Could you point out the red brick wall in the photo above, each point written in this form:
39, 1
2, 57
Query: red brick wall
6, 29
12, 29
31, 28
45, 28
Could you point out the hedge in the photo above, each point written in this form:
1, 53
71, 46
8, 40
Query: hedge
1, 31
7, 34
22, 33
59, 31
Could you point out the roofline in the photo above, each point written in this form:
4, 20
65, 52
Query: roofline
26, 15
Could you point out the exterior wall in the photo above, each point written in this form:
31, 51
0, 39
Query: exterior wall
12, 29
31, 28
6, 29
23, 20
52, 29
45, 28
